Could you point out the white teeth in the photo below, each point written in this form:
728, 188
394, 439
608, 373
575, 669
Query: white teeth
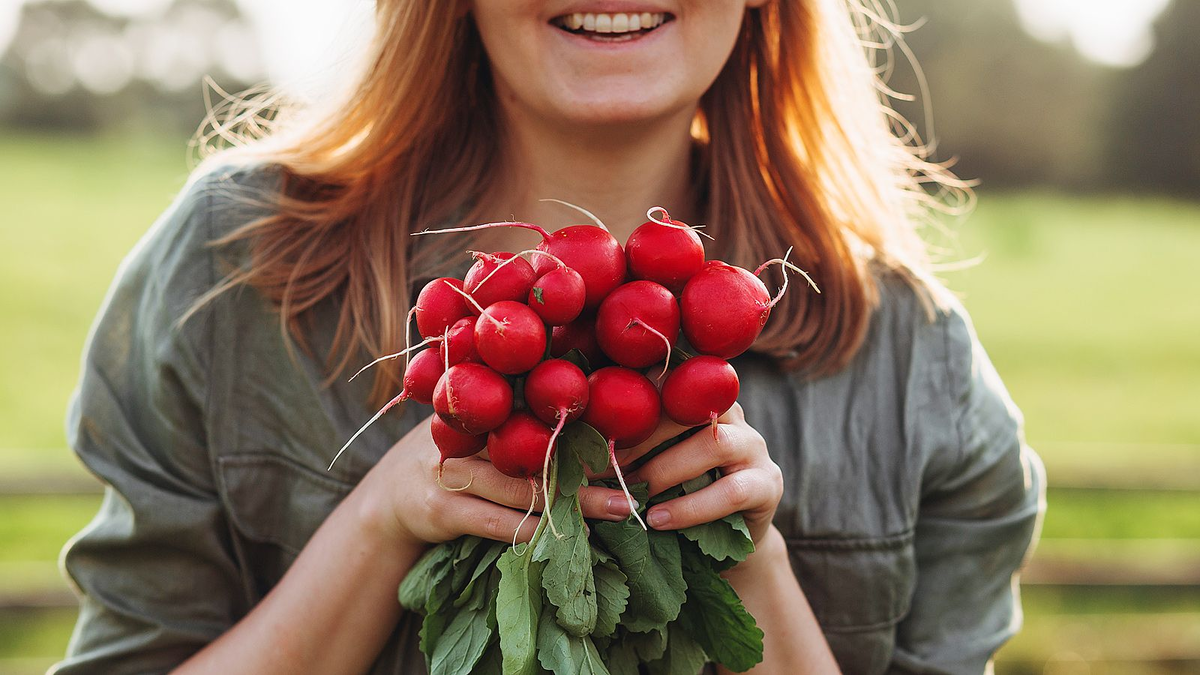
612, 23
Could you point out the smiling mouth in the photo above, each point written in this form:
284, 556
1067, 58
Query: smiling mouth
611, 27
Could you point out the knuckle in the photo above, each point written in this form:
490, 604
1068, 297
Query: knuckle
739, 490
493, 526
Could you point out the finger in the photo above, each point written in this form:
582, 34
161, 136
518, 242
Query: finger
695, 455
665, 431
485, 519
475, 476
733, 493
603, 504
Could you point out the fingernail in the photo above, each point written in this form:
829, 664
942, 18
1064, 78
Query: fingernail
619, 506
658, 518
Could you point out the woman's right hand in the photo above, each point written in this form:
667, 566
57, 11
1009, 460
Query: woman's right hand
407, 506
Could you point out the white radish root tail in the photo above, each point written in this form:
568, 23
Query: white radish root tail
580, 209
612, 457
403, 396
389, 357
532, 503
562, 420
667, 222
485, 226
786, 266
667, 358
495, 322
447, 488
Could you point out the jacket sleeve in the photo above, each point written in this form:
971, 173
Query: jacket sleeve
981, 506
154, 570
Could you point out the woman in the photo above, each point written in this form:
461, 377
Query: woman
876, 456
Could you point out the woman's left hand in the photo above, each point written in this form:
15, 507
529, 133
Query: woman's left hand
750, 483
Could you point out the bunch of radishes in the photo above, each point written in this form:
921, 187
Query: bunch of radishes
497, 377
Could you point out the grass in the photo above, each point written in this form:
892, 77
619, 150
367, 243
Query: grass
1086, 305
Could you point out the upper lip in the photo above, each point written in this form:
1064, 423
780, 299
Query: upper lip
610, 7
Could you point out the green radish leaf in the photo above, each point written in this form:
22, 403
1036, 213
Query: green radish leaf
651, 563
492, 661
418, 583
462, 643
684, 656
612, 596
575, 356
476, 592
518, 603
567, 576
588, 444
715, 617
537, 295
649, 646
440, 591
566, 654
726, 540
621, 658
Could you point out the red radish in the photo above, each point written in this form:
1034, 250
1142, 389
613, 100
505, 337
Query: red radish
511, 280
558, 296
556, 392
725, 307
509, 336
579, 334
459, 343
664, 251
699, 391
624, 407
472, 398
453, 444
422, 375
638, 324
518, 448
438, 307
589, 250
420, 379
592, 252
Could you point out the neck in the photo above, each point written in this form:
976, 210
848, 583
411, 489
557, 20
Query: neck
617, 173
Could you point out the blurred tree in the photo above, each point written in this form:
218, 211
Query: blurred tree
1014, 110
72, 66
1154, 134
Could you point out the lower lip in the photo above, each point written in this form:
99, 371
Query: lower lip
638, 39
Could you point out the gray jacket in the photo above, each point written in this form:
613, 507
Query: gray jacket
911, 499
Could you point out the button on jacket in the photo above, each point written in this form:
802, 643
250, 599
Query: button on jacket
910, 497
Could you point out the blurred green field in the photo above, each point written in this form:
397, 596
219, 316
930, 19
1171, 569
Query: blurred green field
1087, 306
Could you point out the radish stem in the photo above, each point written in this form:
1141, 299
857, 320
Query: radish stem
667, 222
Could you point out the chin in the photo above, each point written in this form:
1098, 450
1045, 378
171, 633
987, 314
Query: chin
628, 104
